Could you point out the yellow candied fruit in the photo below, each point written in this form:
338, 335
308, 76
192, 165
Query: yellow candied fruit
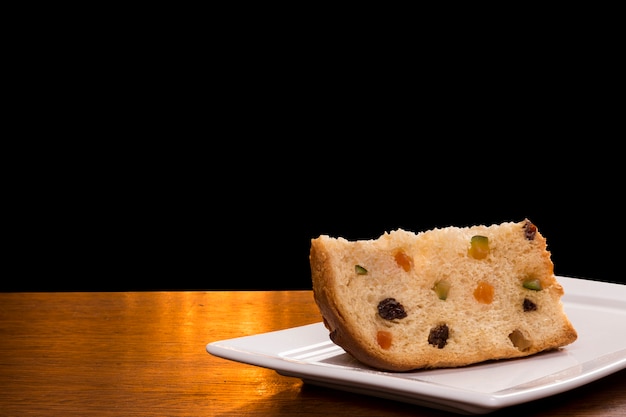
484, 293
442, 288
384, 339
479, 247
519, 340
403, 260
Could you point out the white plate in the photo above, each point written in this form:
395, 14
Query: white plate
596, 309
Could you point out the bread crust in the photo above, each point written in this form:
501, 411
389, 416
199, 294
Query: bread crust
478, 331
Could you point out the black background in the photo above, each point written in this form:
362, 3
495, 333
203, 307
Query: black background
203, 218
202, 158
153, 175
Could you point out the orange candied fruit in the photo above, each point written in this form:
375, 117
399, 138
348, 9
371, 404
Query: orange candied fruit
484, 292
403, 260
384, 339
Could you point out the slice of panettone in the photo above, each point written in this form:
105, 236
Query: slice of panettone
445, 297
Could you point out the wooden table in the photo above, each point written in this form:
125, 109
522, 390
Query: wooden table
144, 354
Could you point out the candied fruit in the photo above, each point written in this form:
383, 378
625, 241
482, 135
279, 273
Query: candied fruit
532, 284
403, 260
519, 340
360, 270
479, 247
441, 289
484, 292
384, 339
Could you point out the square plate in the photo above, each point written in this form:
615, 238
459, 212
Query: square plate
596, 309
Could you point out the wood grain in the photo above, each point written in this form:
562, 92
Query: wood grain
143, 354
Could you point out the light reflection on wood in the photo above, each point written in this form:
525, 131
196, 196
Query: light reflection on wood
144, 354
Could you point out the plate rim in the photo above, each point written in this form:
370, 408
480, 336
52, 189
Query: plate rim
389, 385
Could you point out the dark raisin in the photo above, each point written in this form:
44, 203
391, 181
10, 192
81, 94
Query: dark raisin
530, 230
333, 336
439, 336
390, 309
529, 305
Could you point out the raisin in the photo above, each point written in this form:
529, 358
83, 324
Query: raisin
529, 305
333, 336
530, 230
390, 309
438, 336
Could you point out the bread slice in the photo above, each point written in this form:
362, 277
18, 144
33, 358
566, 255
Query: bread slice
445, 297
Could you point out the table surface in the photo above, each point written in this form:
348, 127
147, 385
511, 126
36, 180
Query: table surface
144, 354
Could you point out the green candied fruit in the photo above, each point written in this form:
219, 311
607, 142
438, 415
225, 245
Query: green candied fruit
479, 247
532, 284
441, 289
360, 270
